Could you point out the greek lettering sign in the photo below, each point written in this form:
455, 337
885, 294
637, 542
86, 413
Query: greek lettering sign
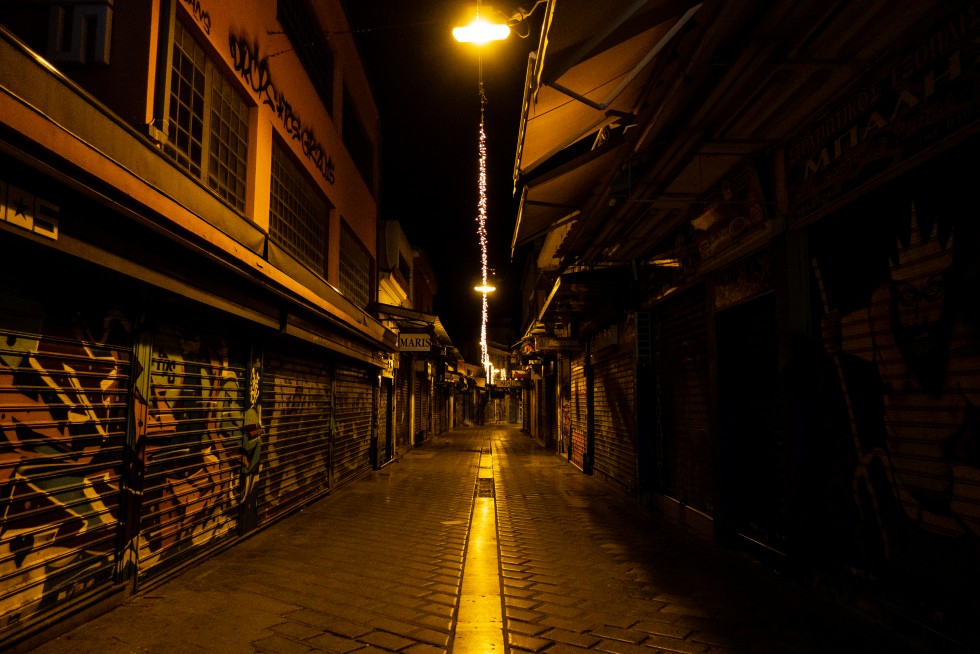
414, 342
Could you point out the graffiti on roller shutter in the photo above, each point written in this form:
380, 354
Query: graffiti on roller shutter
193, 445
297, 400
63, 385
906, 354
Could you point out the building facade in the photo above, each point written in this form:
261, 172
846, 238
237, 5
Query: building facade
188, 219
753, 280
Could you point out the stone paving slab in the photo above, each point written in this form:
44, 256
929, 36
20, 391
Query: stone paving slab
610, 576
377, 565
373, 567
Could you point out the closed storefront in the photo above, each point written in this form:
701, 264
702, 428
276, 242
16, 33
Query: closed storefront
683, 448
754, 455
441, 408
191, 445
579, 413
423, 416
386, 426
295, 457
65, 366
896, 286
614, 409
354, 411
403, 407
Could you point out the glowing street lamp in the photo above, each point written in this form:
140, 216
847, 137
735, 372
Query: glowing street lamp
481, 31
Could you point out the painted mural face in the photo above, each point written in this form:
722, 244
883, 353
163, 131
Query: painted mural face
925, 353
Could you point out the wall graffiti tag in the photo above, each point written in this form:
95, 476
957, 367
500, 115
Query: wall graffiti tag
200, 14
254, 70
192, 446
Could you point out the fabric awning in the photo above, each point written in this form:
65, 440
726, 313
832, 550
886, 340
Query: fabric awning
555, 198
590, 72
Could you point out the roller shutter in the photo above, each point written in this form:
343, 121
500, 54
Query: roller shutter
296, 449
579, 412
442, 409
353, 415
403, 427
192, 447
684, 450
386, 433
64, 380
615, 417
421, 407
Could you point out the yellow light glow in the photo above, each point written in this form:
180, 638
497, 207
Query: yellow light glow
481, 31
485, 288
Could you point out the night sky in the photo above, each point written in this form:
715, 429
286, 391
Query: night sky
427, 89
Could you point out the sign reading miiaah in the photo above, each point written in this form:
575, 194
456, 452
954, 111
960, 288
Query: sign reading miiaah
414, 342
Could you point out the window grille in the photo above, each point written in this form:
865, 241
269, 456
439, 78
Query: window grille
355, 268
298, 214
206, 115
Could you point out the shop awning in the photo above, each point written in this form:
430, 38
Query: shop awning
555, 199
591, 70
410, 318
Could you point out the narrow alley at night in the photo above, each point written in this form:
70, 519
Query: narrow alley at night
380, 567
546, 326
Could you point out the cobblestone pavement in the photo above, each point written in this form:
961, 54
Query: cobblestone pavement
585, 569
377, 567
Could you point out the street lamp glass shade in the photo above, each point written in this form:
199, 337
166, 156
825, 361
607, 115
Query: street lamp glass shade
481, 31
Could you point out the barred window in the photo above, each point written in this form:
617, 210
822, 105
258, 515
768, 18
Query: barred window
355, 268
207, 117
298, 214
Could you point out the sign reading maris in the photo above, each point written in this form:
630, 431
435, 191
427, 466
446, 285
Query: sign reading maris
414, 342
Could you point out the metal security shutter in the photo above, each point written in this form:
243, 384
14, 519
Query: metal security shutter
615, 417
386, 435
403, 431
193, 440
442, 395
684, 453
296, 449
421, 407
64, 380
353, 415
579, 411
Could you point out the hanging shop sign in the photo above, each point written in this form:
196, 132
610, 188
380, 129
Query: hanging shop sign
553, 344
734, 218
419, 342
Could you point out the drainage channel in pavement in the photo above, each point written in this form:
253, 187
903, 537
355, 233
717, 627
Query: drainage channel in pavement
479, 622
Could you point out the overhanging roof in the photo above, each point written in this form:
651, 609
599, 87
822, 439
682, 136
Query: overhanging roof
411, 318
590, 296
588, 71
555, 198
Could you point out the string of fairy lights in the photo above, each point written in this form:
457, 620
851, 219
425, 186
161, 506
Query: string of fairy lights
481, 231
